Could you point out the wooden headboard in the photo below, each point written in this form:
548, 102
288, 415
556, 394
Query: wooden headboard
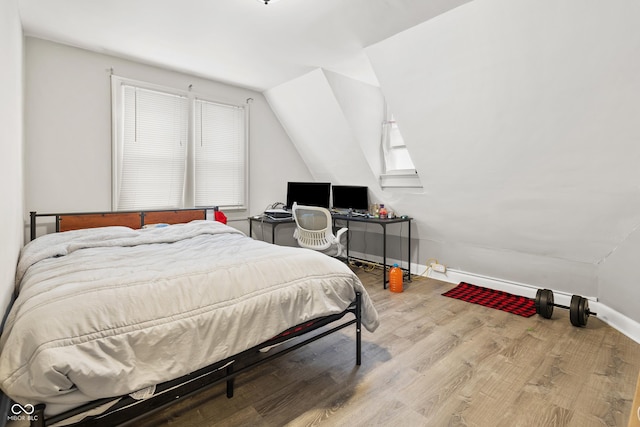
132, 219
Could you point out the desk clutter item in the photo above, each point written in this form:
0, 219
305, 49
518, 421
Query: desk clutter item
492, 298
278, 213
383, 212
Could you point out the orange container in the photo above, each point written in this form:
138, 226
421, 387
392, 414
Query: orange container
395, 279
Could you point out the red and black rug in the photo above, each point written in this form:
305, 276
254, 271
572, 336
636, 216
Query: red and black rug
499, 300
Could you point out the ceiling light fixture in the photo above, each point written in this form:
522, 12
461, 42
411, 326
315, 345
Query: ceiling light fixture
267, 1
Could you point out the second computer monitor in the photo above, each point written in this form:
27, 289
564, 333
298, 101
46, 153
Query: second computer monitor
351, 197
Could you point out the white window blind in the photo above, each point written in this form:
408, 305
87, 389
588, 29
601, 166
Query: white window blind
172, 150
219, 154
154, 148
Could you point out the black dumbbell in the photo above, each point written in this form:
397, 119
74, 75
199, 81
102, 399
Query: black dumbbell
578, 311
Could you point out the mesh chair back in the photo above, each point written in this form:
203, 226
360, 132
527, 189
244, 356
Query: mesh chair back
313, 227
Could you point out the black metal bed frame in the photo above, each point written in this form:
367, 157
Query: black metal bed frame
33, 216
127, 409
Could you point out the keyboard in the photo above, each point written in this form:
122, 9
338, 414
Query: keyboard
346, 212
278, 213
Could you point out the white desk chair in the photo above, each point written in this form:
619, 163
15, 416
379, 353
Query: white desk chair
314, 230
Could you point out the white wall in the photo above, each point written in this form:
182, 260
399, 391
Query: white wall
324, 128
617, 280
521, 118
522, 121
11, 143
68, 130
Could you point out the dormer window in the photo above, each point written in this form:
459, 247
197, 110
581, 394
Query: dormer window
398, 168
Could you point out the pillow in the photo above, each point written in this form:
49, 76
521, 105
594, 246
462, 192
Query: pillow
159, 225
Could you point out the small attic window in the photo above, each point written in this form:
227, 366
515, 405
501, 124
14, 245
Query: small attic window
398, 168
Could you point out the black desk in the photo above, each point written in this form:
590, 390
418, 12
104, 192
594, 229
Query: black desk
263, 219
383, 223
274, 223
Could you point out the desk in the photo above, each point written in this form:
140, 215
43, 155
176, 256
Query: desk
383, 223
274, 223
263, 219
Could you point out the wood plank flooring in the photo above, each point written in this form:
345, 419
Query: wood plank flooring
434, 361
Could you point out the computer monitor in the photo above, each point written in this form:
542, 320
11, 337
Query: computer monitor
351, 197
309, 193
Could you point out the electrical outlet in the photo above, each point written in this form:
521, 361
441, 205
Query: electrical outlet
438, 267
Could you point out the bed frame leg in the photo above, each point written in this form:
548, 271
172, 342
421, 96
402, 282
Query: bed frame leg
230, 382
358, 328
37, 418
32, 225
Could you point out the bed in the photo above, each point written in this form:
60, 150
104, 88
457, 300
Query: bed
113, 321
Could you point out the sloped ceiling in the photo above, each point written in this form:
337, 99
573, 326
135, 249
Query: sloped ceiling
521, 119
318, 120
523, 122
241, 42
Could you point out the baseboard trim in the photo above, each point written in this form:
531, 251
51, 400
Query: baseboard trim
613, 318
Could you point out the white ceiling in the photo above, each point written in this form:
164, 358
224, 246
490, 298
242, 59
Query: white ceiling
241, 42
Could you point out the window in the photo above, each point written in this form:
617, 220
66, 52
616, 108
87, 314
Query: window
172, 149
399, 170
220, 154
396, 154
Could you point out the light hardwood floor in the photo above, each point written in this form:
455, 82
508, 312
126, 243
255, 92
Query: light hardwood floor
434, 361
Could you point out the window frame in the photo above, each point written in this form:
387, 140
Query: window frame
395, 177
245, 150
189, 182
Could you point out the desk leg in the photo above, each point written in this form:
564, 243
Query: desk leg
409, 253
384, 256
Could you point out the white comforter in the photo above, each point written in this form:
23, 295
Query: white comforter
108, 311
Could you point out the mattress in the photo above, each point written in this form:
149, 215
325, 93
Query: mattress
108, 311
